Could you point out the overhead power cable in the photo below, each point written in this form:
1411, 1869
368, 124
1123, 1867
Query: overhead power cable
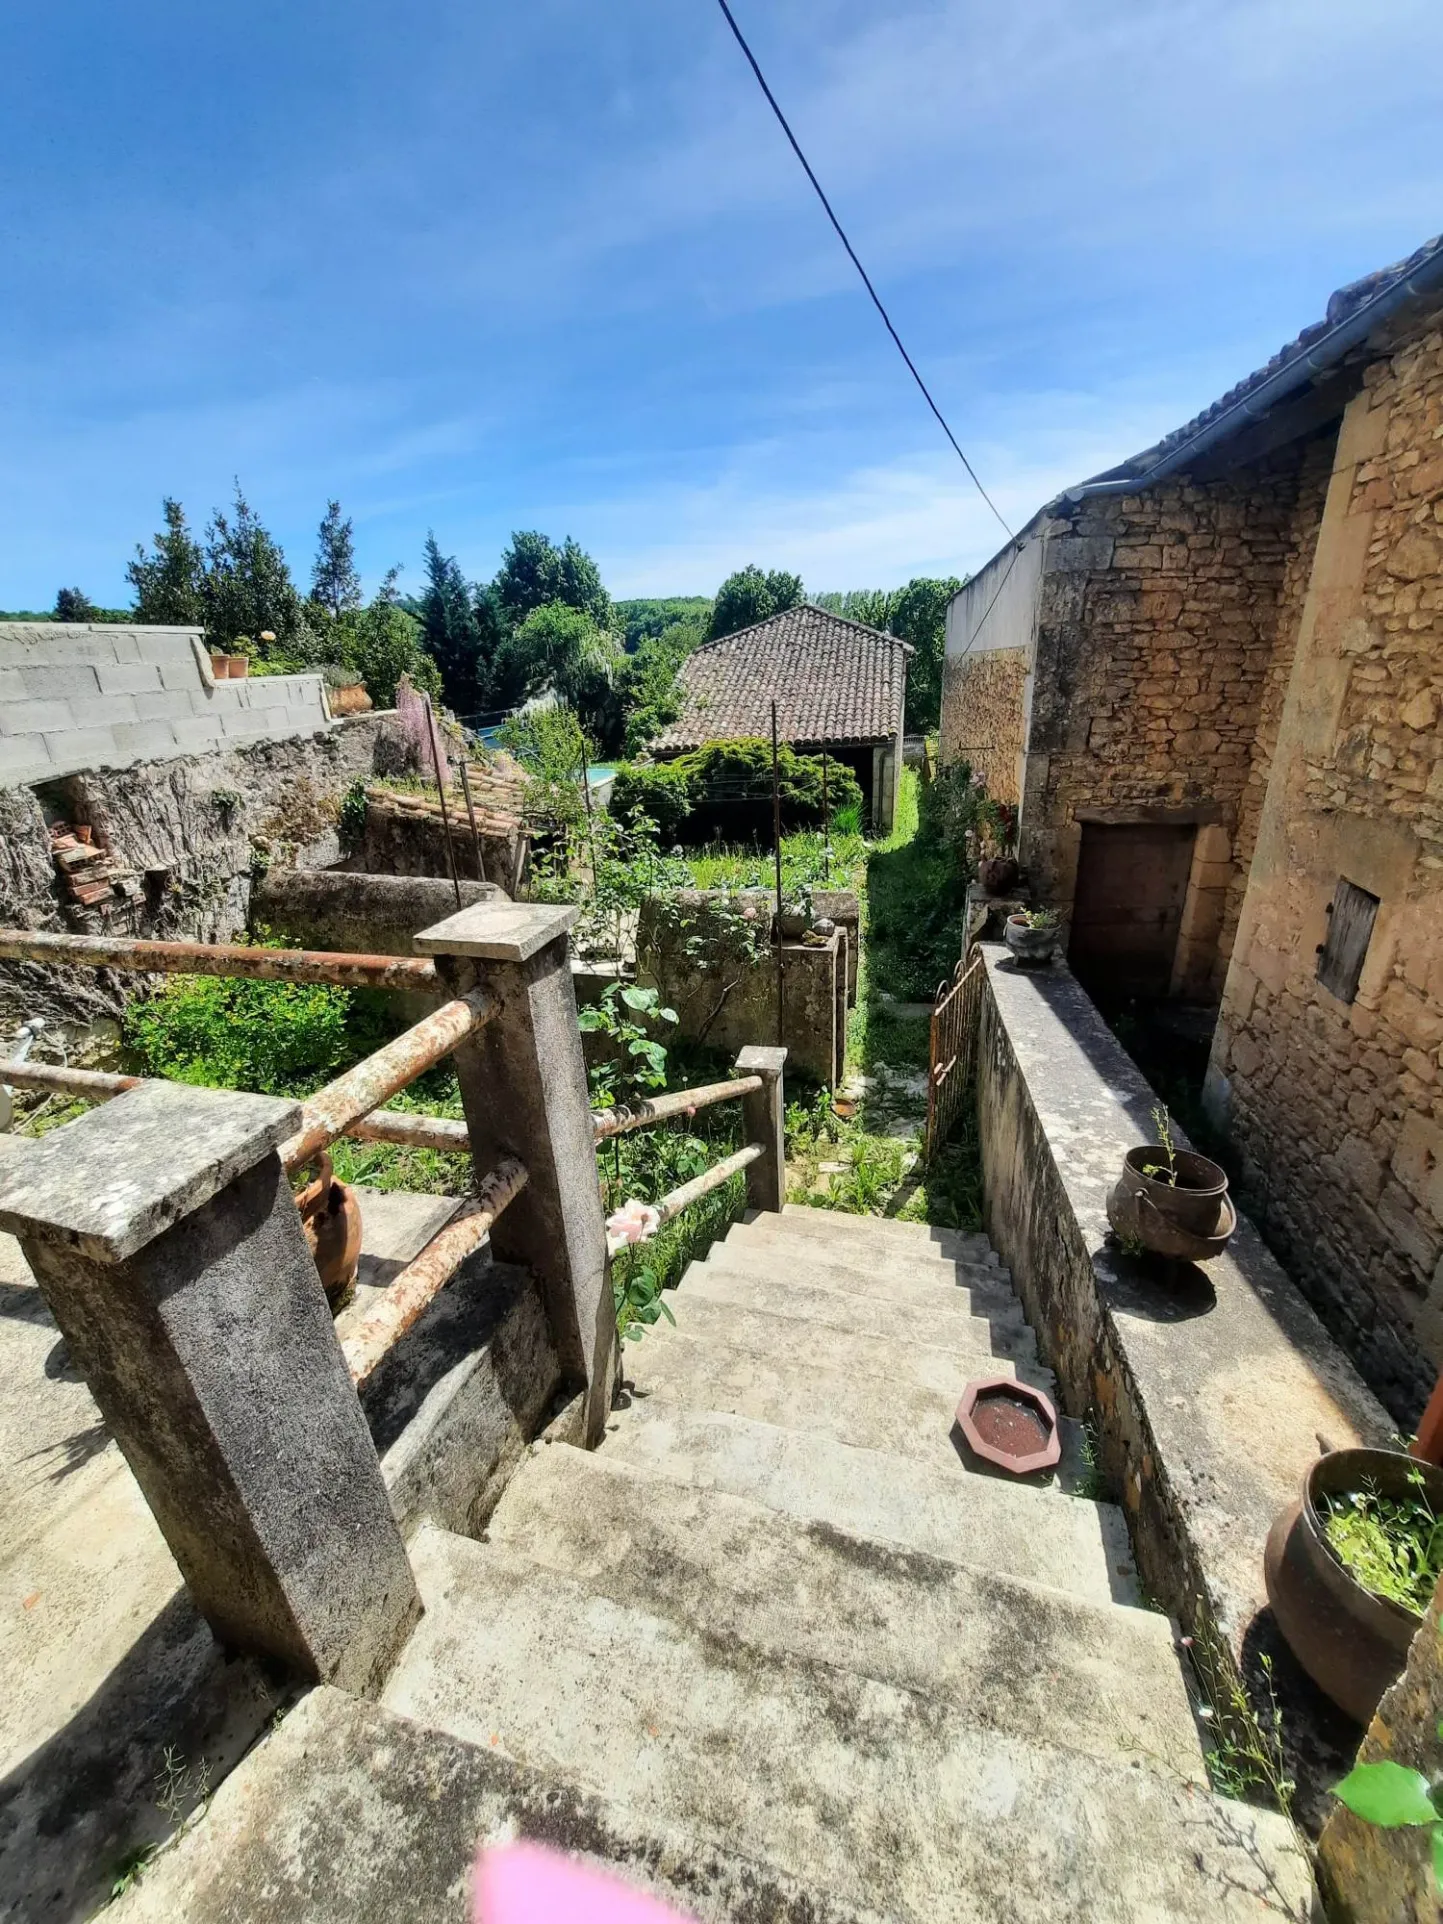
740, 38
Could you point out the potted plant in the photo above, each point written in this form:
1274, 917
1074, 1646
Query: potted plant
997, 866
1031, 934
1351, 1568
1171, 1201
794, 917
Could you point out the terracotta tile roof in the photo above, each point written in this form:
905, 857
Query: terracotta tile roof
1341, 305
832, 679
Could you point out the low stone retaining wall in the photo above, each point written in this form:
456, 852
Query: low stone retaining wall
1212, 1395
727, 998
366, 914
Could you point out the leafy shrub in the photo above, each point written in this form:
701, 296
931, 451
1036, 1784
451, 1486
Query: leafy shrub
276, 1038
723, 790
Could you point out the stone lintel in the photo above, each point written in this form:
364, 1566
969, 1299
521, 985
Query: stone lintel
498, 932
113, 1180
757, 1059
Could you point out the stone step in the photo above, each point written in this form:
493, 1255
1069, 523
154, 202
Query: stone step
775, 1275
885, 1232
346, 1813
867, 1239
890, 1396
870, 1793
769, 1321
1016, 1657
994, 1524
856, 1263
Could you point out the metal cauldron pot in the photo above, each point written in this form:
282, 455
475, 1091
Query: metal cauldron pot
1351, 1643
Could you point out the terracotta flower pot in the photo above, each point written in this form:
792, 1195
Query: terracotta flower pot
997, 873
237, 666
220, 667
330, 1214
1351, 1643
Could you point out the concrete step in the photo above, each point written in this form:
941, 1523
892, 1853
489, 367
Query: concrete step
885, 1232
887, 1397
866, 1240
862, 1265
1019, 1658
870, 1793
773, 1320
346, 1813
850, 1298
989, 1523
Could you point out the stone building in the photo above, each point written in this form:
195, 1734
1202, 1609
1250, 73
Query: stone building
836, 683
1211, 679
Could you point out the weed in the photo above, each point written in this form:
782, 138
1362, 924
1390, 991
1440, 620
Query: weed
1163, 1172
130, 1869
1392, 1546
1246, 1753
1092, 1486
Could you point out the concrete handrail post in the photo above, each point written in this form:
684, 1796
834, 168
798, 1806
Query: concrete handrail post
163, 1235
764, 1115
523, 1088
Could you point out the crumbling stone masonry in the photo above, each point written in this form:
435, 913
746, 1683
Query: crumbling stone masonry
1335, 1105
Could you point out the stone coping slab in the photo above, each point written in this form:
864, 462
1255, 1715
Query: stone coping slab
509, 932
114, 1179
1215, 1388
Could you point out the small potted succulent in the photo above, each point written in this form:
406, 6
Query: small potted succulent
1031, 934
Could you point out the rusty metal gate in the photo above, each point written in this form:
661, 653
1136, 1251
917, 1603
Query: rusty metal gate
953, 1062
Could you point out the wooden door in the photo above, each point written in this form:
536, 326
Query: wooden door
1131, 886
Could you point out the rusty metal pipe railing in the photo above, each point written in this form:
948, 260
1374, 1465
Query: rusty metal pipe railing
410, 1131
96, 1085
332, 1110
673, 1203
423, 1279
680, 1102
416, 972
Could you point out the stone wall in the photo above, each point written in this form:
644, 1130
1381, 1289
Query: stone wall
724, 990
79, 695
1210, 1392
983, 697
397, 840
192, 831
1336, 1108
1164, 620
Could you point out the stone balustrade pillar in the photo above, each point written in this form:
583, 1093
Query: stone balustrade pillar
162, 1233
764, 1115
524, 1091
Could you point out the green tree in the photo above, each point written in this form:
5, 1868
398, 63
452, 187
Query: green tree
335, 584
247, 589
563, 650
918, 614
648, 688
750, 596
170, 583
873, 606
535, 572
382, 642
448, 624
72, 604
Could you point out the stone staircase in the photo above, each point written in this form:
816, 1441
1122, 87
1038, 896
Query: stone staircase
775, 1650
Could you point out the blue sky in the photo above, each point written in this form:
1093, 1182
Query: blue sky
481, 267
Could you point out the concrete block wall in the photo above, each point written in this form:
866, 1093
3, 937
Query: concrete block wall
107, 695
